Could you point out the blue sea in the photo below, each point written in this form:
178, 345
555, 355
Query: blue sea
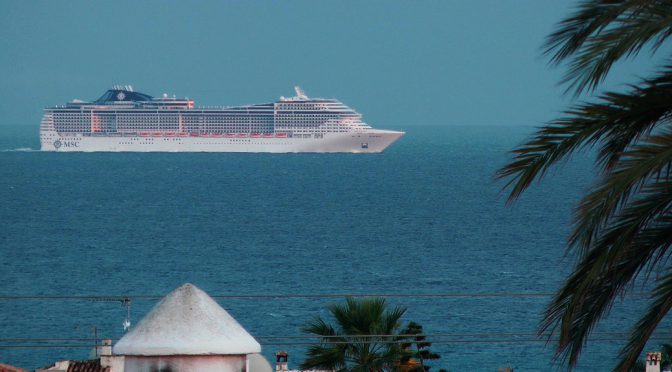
426, 217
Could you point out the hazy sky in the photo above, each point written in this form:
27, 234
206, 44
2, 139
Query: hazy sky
399, 63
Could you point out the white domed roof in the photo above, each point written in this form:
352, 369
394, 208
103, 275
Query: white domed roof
187, 322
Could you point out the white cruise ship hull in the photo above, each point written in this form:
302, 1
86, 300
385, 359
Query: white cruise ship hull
372, 141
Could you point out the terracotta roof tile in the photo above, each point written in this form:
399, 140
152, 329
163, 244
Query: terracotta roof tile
87, 366
8, 368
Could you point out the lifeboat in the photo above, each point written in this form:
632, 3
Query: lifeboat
194, 134
169, 134
256, 135
144, 134
230, 135
268, 134
242, 134
182, 134
281, 135
157, 134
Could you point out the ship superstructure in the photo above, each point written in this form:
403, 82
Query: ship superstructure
125, 120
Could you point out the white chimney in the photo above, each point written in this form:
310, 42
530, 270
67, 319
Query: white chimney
106, 348
281, 361
653, 362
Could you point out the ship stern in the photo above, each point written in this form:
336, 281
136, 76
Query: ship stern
48, 135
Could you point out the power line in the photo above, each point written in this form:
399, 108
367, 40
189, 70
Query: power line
430, 335
433, 342
45, 346
408, 336
294, 296
445, 342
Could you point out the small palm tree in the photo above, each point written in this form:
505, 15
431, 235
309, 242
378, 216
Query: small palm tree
362, 337
623, 227
417, 349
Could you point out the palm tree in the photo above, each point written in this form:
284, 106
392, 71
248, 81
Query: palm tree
623, 227
361, 339
417, 348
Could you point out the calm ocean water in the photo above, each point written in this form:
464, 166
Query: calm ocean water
425, 217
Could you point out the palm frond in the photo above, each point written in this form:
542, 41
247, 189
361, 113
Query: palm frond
327, 354
623, 228
325, 357
360, 323
640, 234
666, 350
591, 17
637, 165
617, 120
603, 31
661, 305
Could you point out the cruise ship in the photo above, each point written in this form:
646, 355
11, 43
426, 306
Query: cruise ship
126, 120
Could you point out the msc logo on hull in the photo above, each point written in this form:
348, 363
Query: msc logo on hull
58, 144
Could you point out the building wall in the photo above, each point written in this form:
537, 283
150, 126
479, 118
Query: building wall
185, 363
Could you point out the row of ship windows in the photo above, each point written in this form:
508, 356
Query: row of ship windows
199, 111
205, 143
176, 139
229, 129
294, 106
234, 140
191, 122
241, 129
198, 125
185, 122
191, 114
196, 117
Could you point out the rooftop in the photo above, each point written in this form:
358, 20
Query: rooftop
187, 322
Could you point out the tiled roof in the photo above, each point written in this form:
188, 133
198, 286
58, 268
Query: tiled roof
8, 368
87, 366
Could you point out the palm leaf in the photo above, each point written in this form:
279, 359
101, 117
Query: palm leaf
661, 305
641, 234
591, 17
616, 119
603, 31
623, 228
328, 355
362, 346
638, 164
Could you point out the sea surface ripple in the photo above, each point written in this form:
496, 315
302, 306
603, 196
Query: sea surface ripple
425, 217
